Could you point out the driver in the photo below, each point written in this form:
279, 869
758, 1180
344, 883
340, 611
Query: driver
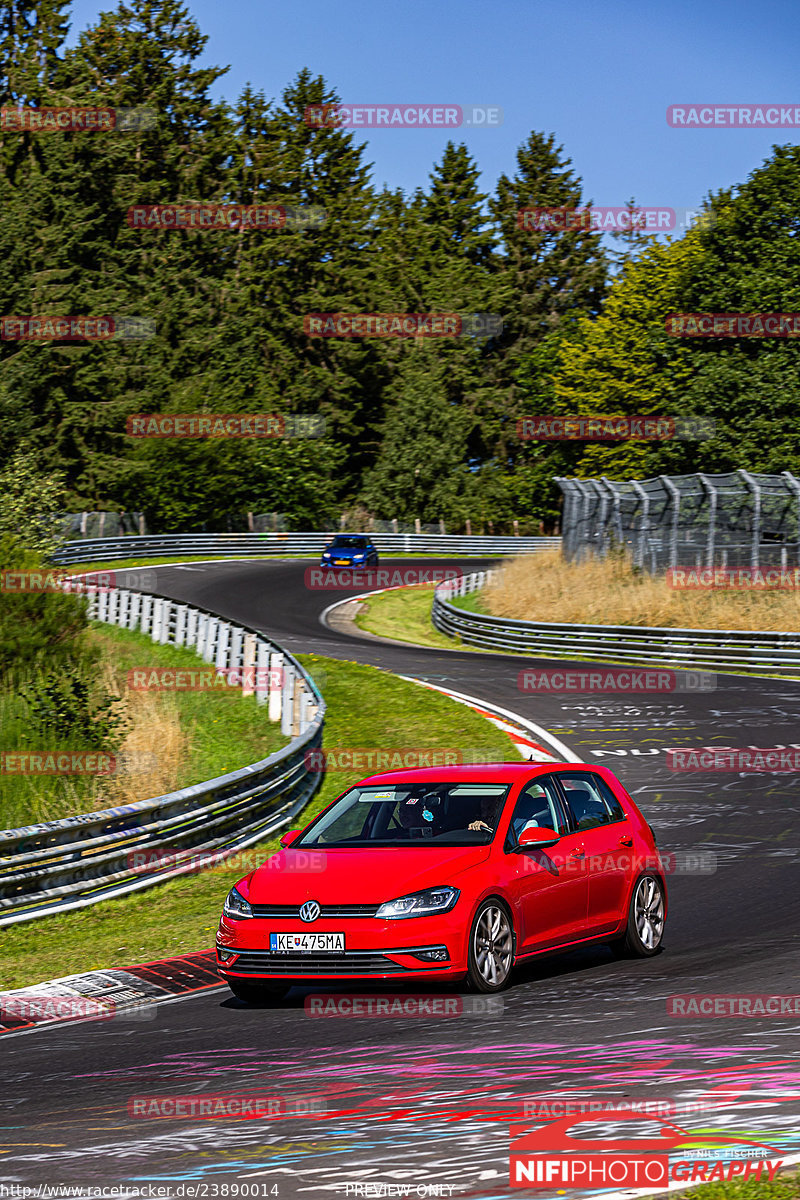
488, 806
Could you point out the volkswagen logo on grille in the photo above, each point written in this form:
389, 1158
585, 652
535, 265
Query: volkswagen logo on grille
310, 911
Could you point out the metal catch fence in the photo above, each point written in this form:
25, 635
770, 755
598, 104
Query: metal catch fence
733, 520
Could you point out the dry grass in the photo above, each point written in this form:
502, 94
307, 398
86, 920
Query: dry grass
608, 591
155, 721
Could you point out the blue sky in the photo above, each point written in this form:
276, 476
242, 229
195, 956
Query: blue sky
599, 74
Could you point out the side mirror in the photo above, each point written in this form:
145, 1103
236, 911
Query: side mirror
290, 837
537, 838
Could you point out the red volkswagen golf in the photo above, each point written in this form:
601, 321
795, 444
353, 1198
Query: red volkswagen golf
459, 873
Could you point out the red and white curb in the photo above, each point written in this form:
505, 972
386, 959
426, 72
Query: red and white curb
124, 994
526, 735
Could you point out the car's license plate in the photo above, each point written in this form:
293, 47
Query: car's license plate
305, 943
342, 562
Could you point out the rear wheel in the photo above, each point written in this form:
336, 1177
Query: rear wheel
258, 993
491, 948
645, 930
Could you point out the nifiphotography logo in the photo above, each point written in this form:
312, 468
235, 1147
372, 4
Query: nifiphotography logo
548, 1157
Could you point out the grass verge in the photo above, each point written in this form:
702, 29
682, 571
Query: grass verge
171, 738
610, 591
472, 602
181, 915
405, 614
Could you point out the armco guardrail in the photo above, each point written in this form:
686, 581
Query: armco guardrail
726, 649
277, 544
66, 864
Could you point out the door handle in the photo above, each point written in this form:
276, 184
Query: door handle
626, 841
576, 854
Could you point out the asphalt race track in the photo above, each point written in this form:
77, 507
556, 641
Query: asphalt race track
410, 1102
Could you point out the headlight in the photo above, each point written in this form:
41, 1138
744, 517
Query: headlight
326, 554
420, 904
236, 906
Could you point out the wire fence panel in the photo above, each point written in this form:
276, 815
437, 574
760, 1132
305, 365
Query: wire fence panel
740, 519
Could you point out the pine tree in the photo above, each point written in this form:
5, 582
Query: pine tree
421, 470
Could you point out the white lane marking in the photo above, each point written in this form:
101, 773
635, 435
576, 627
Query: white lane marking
559, 746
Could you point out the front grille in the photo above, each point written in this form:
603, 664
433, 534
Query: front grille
328, 912
354, 962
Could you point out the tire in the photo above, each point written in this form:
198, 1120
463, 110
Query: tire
645, 930
491, 948
258, 993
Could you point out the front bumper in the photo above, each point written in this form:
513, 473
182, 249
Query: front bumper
344, 566
374, 949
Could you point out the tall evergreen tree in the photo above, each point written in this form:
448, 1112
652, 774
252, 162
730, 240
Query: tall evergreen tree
421, 470
553, 270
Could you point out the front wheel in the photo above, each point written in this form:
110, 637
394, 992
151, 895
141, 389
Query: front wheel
257, 993
491, 948
645, 929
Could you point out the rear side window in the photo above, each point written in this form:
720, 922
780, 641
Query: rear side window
591, 801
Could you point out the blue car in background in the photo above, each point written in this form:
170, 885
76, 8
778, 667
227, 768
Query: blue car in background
349, 550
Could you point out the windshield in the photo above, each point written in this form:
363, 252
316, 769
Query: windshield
413, 814
351, 543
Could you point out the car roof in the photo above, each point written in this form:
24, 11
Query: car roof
497, 772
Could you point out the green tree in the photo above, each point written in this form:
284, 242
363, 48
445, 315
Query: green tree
743, 258
553, 271
421, 470
31, 503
